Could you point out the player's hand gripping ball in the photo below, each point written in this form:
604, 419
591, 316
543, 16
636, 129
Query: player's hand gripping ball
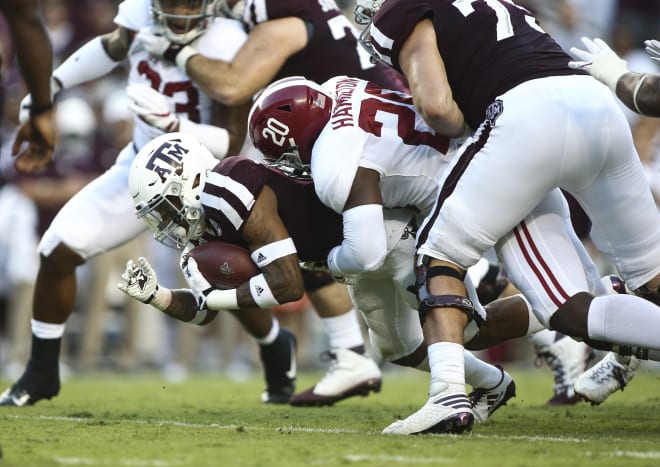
224, 265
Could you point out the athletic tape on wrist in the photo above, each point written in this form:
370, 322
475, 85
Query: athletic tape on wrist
261, 293
183, 56
636, 90
222, 300
268, 253
162, 298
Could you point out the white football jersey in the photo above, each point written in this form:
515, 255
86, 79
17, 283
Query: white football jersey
221, 40
380, 130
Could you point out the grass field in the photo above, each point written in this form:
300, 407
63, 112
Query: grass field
119, 420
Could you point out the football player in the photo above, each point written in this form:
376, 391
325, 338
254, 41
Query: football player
188, 199
101, 216
539, 126
35, 56
368, 149
286, 38
640, 92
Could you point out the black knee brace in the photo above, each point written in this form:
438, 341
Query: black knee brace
427, 301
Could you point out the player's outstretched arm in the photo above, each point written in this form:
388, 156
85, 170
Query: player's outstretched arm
640, 92
33, 47
35, 56
255, 65
139, 281
94, 59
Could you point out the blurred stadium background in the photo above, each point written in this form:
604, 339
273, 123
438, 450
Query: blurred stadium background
106, 332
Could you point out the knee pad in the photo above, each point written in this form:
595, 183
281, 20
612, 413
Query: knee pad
427, 301
315, 280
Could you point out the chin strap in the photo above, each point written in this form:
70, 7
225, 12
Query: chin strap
428, 302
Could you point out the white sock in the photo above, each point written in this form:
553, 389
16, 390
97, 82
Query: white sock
447, 363
272, 334
542, 339
534, 325
624, 319
480, 374
47, 330
343, 331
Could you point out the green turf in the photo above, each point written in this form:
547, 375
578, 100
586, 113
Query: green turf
119, 420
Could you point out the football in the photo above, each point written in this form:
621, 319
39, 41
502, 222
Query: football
224, 265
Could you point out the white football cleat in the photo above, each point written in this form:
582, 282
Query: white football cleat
486, 401
567, 358
606, 377
448, 411
350, 374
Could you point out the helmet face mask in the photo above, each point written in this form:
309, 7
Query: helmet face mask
182, 21
232, 9
166, 181
288, 116
363, 14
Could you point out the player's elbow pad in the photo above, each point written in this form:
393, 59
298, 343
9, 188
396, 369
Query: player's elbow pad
365, 242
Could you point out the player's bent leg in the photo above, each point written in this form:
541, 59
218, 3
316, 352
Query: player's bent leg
54, 299
277, 350
351, 371
567, 359
446, 411
613, 372
485, 401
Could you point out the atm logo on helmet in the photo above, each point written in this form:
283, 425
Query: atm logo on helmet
167, 159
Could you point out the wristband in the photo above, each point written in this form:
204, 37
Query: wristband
266, 254
222, 300
261, 293
161, 299
39, 109
199, 317
183, 56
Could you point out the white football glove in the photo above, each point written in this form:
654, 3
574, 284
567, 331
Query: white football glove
26, 102
600, 61
139, 281
653, 49
152, 107
151, 40
200, 287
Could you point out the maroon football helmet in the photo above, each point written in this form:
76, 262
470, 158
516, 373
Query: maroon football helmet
288, 116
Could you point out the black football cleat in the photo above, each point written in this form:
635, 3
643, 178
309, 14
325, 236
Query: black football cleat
279, 360
29, 390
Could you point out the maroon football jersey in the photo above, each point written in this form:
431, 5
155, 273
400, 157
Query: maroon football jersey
488, 47
332, 47
234, 185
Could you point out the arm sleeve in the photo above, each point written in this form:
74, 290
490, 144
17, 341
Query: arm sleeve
365, 241
88, 63
215, 139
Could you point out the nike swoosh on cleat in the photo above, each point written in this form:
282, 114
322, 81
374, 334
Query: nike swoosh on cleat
292, 371
21, 400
